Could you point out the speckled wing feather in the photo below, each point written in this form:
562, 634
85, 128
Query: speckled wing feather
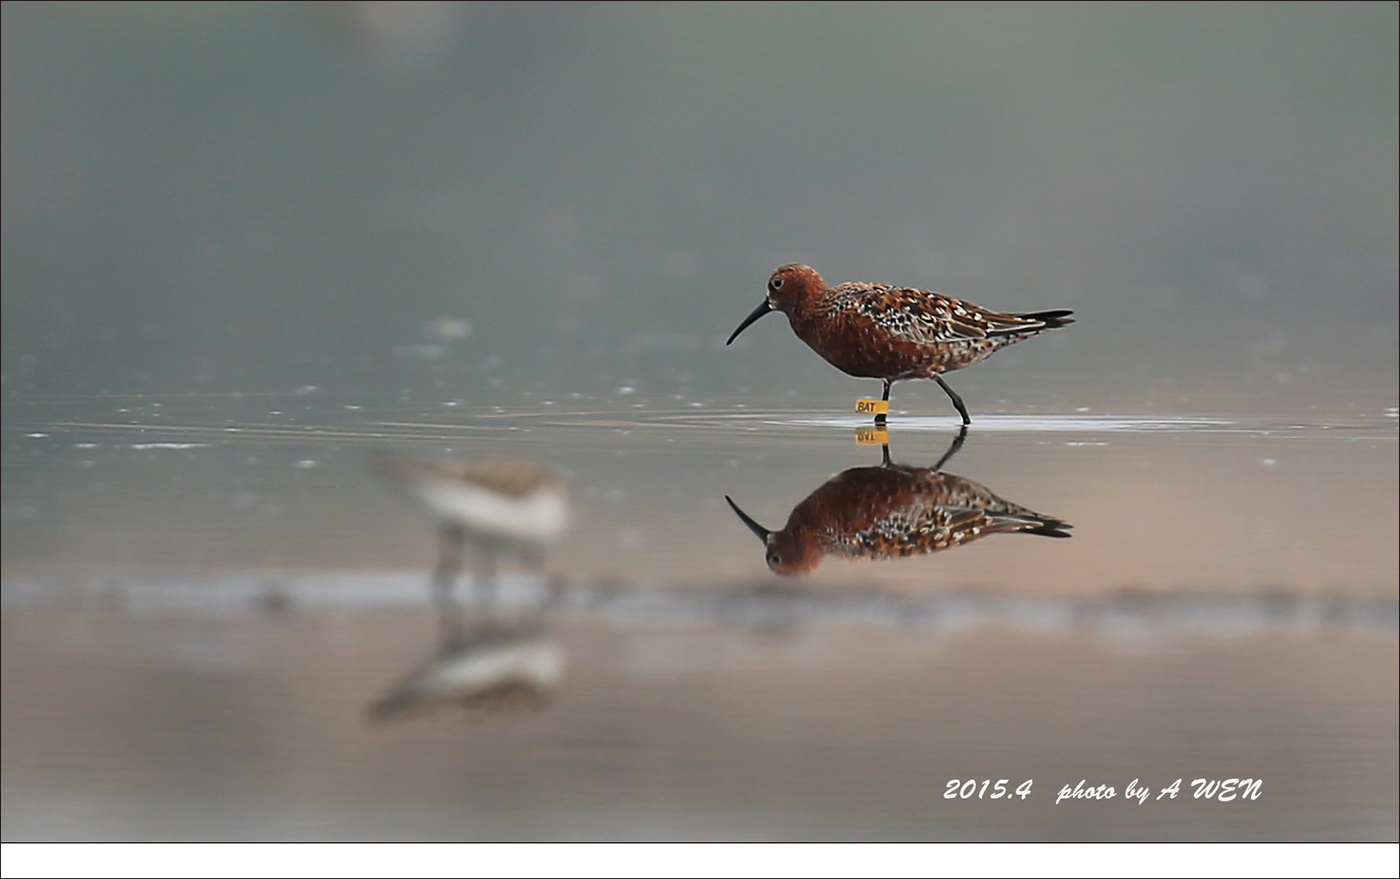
923, 317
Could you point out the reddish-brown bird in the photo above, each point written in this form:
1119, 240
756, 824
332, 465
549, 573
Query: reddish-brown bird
893, 333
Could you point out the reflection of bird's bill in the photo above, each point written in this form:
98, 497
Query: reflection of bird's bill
501, 500
493, 669
758, 530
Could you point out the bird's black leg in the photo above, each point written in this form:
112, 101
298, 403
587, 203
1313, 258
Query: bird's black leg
880, 418
952, 449
957, 401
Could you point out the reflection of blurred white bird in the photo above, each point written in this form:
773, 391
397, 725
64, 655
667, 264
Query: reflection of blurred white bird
494, 507
495, 668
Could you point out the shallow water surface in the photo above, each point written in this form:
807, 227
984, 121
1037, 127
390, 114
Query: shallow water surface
218, 625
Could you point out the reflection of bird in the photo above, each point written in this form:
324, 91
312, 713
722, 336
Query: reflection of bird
893, 333
892, 511
494, 668
494, 507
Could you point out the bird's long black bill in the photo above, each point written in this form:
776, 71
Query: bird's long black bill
753, 526
759, 312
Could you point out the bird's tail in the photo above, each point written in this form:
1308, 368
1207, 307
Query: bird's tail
1029, 522
1051, 319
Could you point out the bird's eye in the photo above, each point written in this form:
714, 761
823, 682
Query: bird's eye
774, 558
775, 284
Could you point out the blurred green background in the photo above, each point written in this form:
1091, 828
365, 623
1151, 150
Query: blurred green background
571, 197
